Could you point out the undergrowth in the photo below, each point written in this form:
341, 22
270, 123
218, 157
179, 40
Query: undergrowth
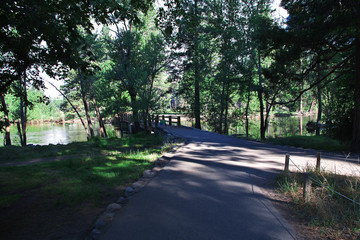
322, 143
328, 211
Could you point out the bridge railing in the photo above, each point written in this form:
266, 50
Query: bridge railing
155, 120
166, 120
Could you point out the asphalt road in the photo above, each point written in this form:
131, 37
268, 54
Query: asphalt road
213, 188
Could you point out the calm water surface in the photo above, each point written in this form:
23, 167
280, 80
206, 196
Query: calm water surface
44, 134
278, 126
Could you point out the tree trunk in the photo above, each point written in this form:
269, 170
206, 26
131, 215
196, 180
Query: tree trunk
227, 96
103, 132
247, 114
135, 111
19, 131
318, 120
197, 99
7, 121
355, 142
219, 127
86, 105
261, 103
301, 99
311, 109
87, 112
268, 109
149, 97
23, 111
197, 75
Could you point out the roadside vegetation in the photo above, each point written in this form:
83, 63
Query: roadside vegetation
93, 174
327, 213
321, 143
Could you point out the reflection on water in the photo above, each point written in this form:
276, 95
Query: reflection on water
278, 126
44, 134
56, 134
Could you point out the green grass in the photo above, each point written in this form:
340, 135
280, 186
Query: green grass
93, 147
91, 170
322, 143
327, 211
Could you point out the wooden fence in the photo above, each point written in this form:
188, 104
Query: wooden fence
166, 120
155, 120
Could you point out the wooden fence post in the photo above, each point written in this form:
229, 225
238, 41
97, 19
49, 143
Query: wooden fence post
178, 121
170, 120
318, 160
287, 159
307, 188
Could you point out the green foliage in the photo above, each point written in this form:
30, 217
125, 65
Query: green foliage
322, 143
27, 25
326, 50
137, 56
338, 109
41, 108
287, 183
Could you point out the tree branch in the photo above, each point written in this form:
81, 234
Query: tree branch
319, 81
82, 121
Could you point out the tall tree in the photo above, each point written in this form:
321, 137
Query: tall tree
137, 55
183, 25
329, 31
226, 26
261, 27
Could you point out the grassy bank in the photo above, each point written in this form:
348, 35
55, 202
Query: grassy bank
321, 143
329, 214
90, 176
97, 146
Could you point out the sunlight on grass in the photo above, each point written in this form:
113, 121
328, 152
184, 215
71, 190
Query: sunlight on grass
144, 156
90, 169
121, 169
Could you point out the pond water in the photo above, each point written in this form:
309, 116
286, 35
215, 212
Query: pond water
278, 126
44, 134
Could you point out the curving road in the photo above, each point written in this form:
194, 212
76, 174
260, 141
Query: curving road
211, 189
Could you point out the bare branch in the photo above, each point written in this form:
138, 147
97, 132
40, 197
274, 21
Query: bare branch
67, 99
319, 81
